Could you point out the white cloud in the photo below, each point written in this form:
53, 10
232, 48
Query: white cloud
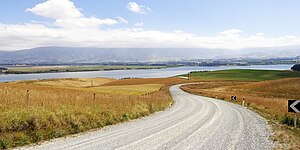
139, 24
67, 15
260, 34
136, 8
72, 28
231, 32
84, 22
179, 31
56, 9
121, 19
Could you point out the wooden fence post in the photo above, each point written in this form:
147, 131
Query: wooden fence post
27, 96
243, 103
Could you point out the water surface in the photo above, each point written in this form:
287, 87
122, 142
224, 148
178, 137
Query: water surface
150, 73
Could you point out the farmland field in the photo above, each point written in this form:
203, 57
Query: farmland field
33, 111
71, 82
100, 85
245, 75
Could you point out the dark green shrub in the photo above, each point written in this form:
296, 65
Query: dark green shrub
296, 67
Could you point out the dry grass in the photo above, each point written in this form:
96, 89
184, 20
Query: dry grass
51, 111
272, 95
269, 98
71, 82
97, 85
128, 89
284, 88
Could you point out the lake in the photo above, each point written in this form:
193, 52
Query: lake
150, 73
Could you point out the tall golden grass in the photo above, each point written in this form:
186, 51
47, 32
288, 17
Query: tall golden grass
31, 113
72, 82
270, 96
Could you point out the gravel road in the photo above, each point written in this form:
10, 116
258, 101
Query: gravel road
193, 122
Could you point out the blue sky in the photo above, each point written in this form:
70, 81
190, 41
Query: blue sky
150, 23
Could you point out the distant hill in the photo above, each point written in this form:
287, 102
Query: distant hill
97, 55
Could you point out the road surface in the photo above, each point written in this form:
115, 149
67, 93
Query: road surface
193, 122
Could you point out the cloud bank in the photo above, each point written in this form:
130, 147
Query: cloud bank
70, 27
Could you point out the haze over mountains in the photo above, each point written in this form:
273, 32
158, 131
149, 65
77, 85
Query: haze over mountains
60, 55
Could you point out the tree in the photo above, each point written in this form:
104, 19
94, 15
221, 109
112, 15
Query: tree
296, 67
2, 68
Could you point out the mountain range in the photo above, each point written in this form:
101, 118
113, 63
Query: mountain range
60, 55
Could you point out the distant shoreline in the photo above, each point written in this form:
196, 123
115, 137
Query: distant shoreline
15, 70
61, 69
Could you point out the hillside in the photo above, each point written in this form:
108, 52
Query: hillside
58, 55
95, 55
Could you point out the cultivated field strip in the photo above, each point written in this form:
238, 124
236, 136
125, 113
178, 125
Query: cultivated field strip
193, 122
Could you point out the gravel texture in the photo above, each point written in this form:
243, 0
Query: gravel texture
193, 122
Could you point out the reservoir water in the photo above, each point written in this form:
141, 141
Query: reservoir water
150, 73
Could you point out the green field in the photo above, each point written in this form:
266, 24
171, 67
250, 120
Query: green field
244, 75
52, 69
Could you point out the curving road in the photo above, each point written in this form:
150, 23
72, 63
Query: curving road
193, 122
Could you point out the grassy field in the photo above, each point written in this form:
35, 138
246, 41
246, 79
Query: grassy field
107, 85
49, 69
33, 111
244, 75
71, 82
266, 92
